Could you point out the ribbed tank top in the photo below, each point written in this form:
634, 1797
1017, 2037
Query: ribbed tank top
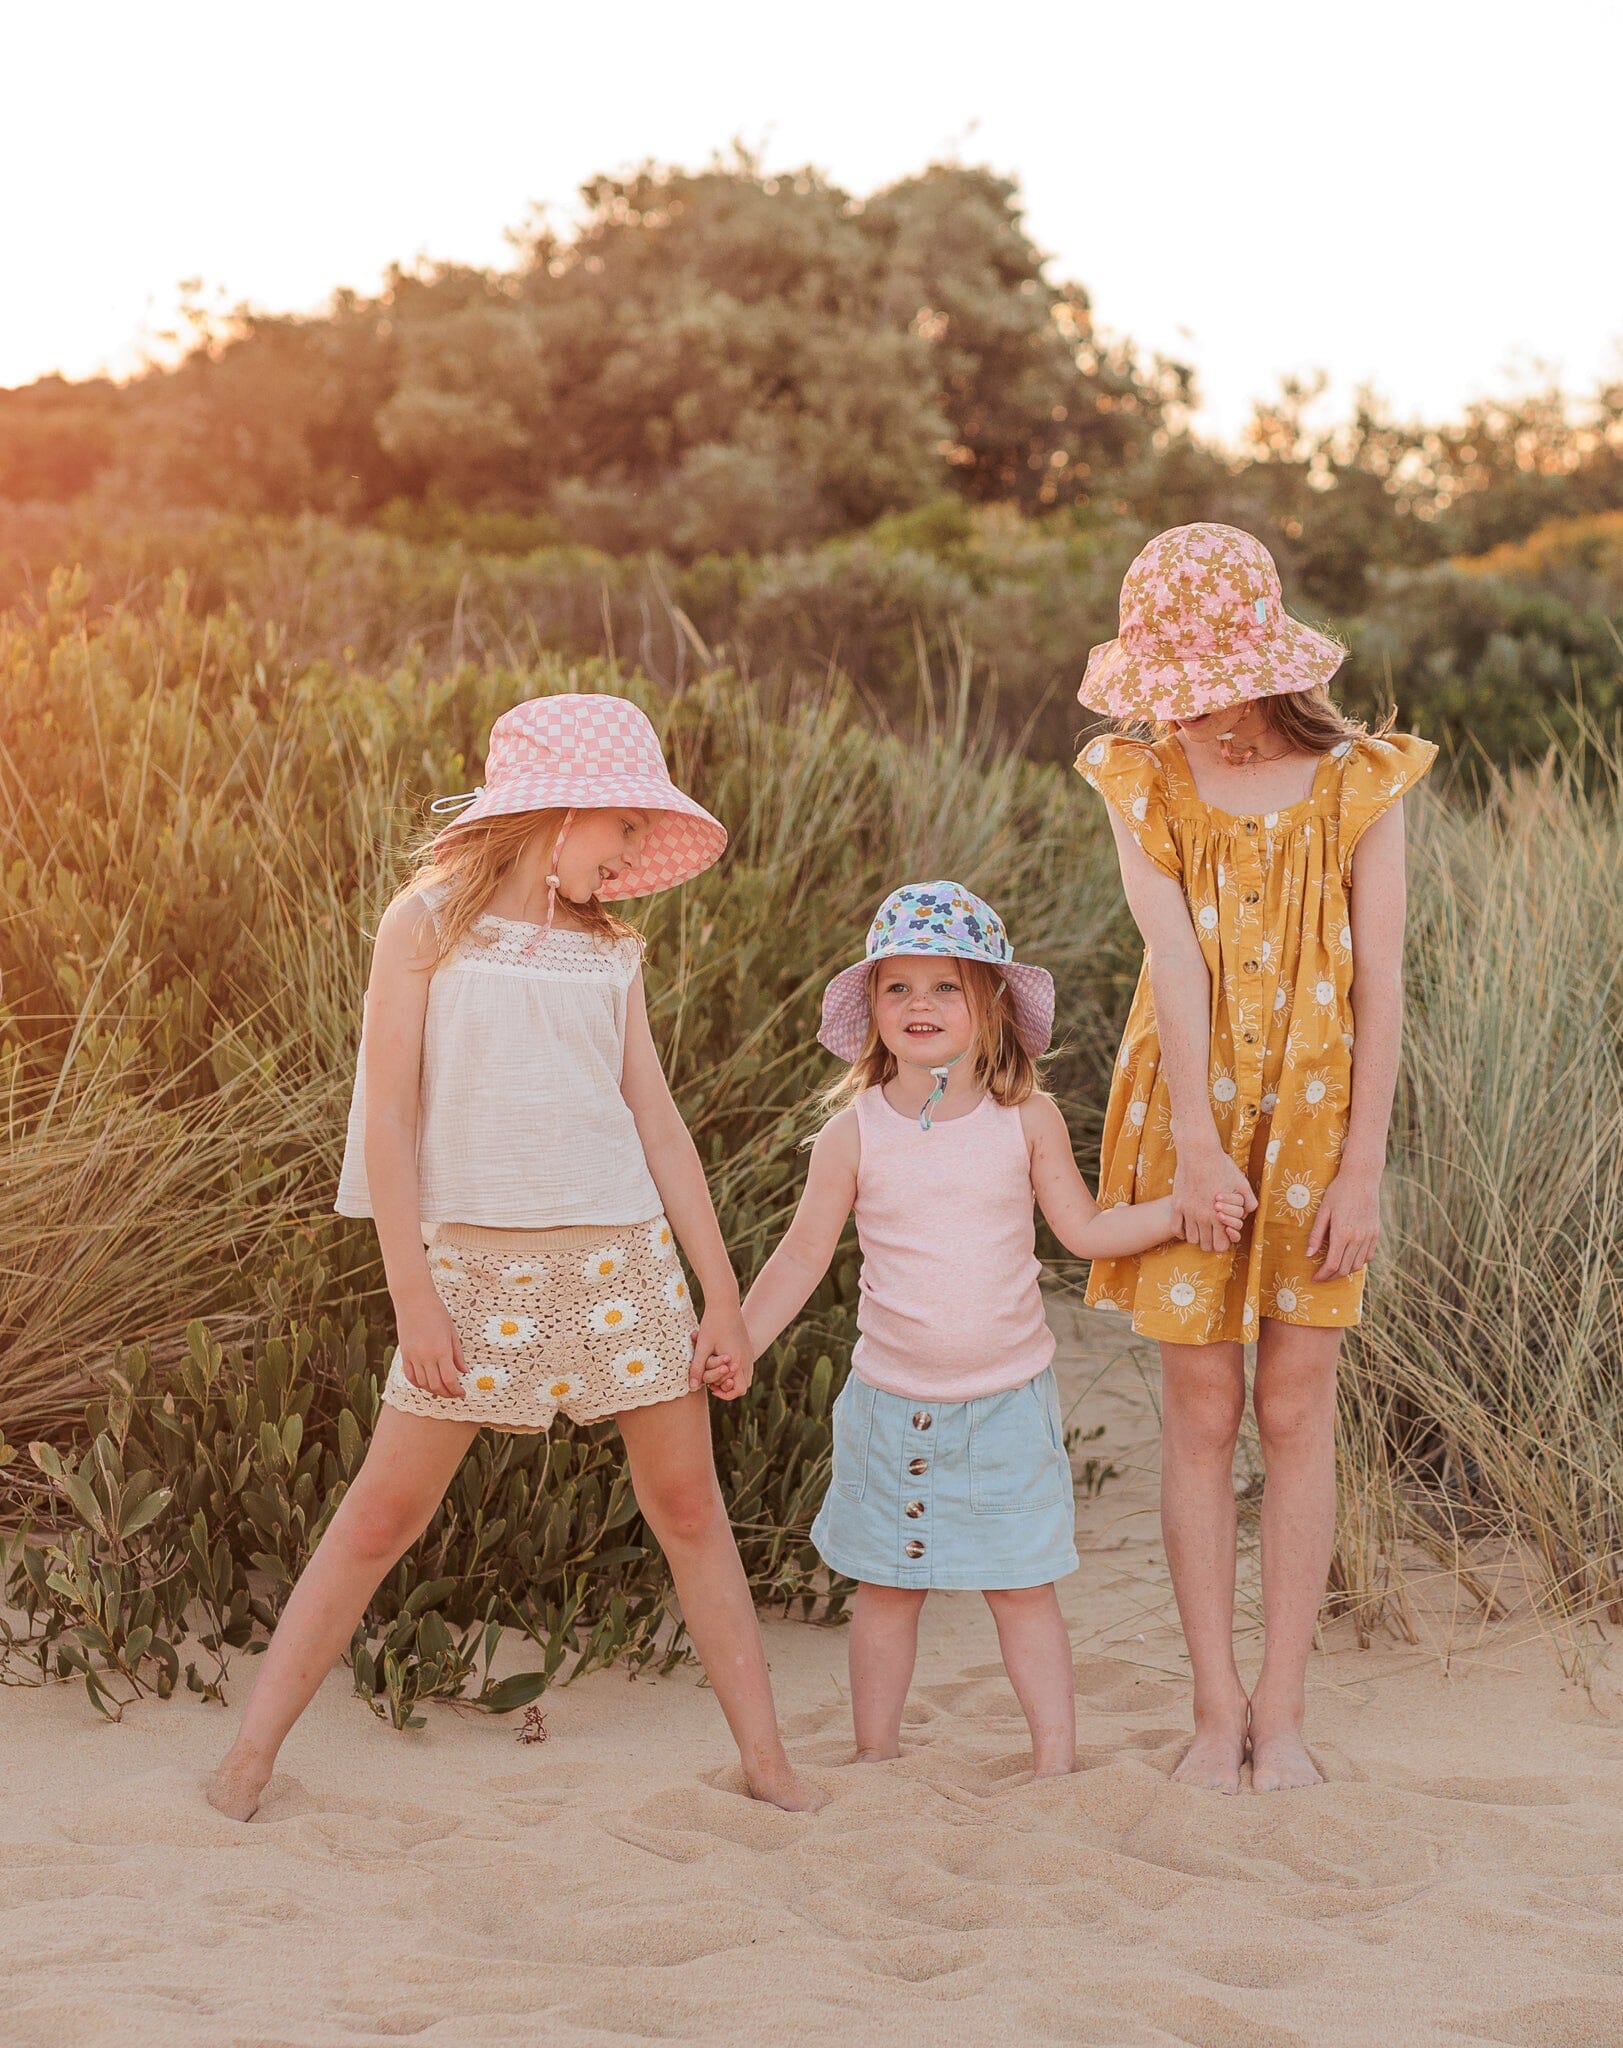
948, 1304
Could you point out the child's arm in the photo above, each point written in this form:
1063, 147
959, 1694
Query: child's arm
1180, 983
1076, 1218
392, 1034
678, 1173
785, 1283
1348, 1223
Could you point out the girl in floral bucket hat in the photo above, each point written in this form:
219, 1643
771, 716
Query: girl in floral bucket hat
1260, 835
950, 1467
513, 1136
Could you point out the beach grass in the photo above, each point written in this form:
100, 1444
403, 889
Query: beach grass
199, 835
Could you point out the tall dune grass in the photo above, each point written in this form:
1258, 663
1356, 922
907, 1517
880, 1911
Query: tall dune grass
1484, 1405
196, 838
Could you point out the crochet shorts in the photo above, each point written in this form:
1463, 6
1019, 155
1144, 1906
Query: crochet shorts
590, 1318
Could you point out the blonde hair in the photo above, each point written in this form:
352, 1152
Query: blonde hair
1307, 720
472, 864
997, 1059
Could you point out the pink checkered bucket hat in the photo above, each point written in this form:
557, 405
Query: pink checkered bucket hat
1203, 626
936, 917
580, 752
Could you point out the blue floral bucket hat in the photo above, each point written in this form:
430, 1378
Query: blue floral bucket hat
937, 918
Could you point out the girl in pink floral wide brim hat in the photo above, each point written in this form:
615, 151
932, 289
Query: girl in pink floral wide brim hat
1260, 836
1203, 626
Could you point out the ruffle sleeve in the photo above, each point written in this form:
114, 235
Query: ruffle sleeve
1132, 781
1374, 774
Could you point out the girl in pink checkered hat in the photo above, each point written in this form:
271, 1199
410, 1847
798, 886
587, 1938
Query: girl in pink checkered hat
512, 1135
1260, 835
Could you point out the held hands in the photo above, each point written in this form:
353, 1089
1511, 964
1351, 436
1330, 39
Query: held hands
430, 1349
1211, 1199
723, 1356
1347, 1225
1231, 1213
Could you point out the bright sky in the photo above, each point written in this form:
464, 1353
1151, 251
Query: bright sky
1416, 193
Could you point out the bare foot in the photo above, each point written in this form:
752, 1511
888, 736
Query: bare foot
1053, 1767
878, 1756
1279, 1759
1212, 1761
780, 1785
242, 1776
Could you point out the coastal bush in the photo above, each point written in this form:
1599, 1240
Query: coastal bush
197, 834
198, 837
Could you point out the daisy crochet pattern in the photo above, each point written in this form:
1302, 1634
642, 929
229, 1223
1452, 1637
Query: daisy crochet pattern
590, 1319
1269, 899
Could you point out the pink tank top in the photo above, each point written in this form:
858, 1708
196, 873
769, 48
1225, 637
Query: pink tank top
948, 1306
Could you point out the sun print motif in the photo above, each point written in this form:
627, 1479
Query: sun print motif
1301, 1194
1180, 1293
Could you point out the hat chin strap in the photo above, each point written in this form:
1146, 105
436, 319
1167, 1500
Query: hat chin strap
553, 883
940, 1073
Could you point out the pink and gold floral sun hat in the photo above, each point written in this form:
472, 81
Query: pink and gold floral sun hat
577, 752
1203, 626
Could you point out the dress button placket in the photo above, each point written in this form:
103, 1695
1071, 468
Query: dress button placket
1247, 856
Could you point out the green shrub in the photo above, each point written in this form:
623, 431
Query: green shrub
205, 835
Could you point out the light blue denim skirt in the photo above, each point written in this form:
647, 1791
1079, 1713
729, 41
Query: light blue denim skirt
953, 1495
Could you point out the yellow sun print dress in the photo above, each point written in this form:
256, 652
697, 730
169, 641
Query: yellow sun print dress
1269, 899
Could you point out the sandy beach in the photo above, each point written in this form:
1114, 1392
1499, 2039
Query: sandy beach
1459, 1879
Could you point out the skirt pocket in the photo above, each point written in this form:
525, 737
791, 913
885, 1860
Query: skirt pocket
1017, 1460
853, 1437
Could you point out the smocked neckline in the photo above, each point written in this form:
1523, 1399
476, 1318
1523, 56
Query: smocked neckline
1178, 763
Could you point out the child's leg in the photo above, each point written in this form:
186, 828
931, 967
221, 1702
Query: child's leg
409, 1463
1202, 1400
1294, 1394
883, 1648
1037, 1656
674, 1475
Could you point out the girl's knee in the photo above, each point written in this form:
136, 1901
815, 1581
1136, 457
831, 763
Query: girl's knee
380, 1523
1293, 1416
1206, 1419
682, 1510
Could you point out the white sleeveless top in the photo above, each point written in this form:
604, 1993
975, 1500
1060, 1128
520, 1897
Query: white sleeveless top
520, 1119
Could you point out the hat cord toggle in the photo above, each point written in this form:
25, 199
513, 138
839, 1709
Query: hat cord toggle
940, 1074
553, 884
443, 804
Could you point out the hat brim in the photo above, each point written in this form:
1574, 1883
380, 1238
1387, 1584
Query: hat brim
846, 1010
682, 839
1292, 657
